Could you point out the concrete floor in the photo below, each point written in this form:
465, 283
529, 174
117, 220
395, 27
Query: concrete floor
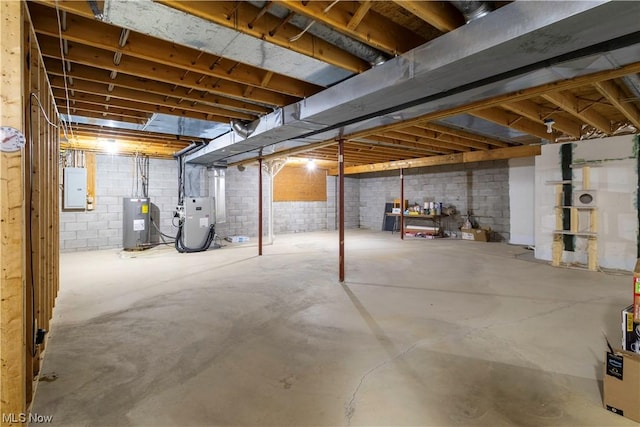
423, 332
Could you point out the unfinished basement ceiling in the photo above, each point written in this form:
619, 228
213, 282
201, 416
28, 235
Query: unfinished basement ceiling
191, 69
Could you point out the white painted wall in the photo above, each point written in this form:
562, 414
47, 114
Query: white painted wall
521, 200
614, 175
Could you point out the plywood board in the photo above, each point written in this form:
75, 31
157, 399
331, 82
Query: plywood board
299, 184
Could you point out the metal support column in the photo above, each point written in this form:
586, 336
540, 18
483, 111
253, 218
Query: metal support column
341, 205
260, 206
402, 204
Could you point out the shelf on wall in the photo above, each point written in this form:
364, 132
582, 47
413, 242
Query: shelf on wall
567, 181
576, 233
583, 208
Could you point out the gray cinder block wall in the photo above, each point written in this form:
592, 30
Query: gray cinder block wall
102, 227
481, 189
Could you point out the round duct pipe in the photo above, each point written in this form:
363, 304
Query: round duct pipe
472, 10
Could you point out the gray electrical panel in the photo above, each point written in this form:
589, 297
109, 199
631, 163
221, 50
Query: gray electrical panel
198, 217
74, 188
136, 233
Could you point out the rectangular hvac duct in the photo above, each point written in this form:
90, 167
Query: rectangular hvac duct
522, 44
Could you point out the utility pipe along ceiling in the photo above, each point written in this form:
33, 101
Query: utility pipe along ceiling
397, 80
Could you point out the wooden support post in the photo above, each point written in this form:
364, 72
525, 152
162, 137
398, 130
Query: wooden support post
592, 254
341, 208
556, 250
586, 178
12, 216
574, 220
260, 206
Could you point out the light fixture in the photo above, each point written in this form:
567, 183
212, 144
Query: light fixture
549, 123
311, 164
109, 145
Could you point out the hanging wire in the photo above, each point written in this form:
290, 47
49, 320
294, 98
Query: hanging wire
300, 34
64, 73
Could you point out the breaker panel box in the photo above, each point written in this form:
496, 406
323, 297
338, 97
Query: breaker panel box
74, 188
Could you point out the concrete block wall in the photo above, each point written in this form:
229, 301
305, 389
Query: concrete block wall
479, 188
241, 200
102, 227
351, 202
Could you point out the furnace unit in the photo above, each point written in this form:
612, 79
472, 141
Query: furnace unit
198, 221
136, 233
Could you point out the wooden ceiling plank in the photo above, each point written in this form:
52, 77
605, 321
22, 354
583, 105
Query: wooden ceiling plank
98, 58
535, 112
374, 29
104, 36
614, 94
465, 135
455, 142
422, 140
307, 44
570, 103
86, 74
393, 146
145, 102
439, 14
519, 123
359, 14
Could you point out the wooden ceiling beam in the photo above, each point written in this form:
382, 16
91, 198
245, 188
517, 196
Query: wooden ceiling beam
114, 103
398, 147
471, 139
420, 139
104, 36
614, 94
513, 121
535, 112
439, 14
469, 157
374, 29
99, 115
100, 58
451, 141
408, 141
145, 136
130, 147
570, 103
359, 14
510, 97
143, 89
243, 12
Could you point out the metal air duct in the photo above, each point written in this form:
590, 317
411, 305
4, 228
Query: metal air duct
472, 10
474, 62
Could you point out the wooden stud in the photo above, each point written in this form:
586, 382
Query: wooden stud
12, 215
90, 164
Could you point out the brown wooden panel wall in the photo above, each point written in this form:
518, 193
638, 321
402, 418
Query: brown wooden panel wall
299, 184
29, 248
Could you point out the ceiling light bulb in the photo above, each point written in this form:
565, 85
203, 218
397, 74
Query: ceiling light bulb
549, 123
311, 165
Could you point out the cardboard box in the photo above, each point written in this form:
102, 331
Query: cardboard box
622, 384
477, 234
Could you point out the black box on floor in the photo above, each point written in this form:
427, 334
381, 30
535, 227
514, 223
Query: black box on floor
622, 384
630, 331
